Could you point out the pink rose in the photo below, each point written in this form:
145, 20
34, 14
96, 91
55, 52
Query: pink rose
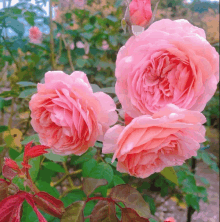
67, 115
148, 144
170, 62
140, 12
80, 3
72, 46
35, 35
105, 45
80, 45
170, 219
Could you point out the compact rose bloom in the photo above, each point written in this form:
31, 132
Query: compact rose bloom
140, 12
67, 115
148, 144
35, 35
170, 62
170, 219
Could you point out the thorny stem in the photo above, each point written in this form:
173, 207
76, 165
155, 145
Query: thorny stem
69, 190
64, 177
67, 172
32, 185
68, 53
27, 125
15, 61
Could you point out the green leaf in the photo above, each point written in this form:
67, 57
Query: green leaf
189, 185
34, 138
131, 198
75, 195
80, 62
109, 161
102, 171
150, 201
74, 212
27, 92
85, 157
44, 186
30, 20
35, 163
113, 40
117, 180
90, 184
55, 157
192, 201
19, 182
108, 90
28, 213
89, 207
3, 128
204, 180
152, 220
86, 35
88, 167
88, 27
54, 166
118, 3
24, 83
170, 174
14, 24
112, 18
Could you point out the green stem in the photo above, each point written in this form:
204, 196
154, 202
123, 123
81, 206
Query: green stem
15, 61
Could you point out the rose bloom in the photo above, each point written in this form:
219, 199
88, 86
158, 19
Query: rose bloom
80, 3
35, 35
148, 144
67, 115
140, 12
105, 45
170, 219
170, 62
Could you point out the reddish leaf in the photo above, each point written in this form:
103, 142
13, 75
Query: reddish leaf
49, 204
90, 184
104, 211
32, 152
131, 199
10, 207
8, 173
128, 215
74, 212
3, 189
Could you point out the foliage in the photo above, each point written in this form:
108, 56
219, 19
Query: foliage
88, 184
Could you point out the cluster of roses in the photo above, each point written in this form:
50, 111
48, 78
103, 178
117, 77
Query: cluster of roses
165, 77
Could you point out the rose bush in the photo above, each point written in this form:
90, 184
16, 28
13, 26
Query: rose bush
148, 144
170, 62
67, 115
